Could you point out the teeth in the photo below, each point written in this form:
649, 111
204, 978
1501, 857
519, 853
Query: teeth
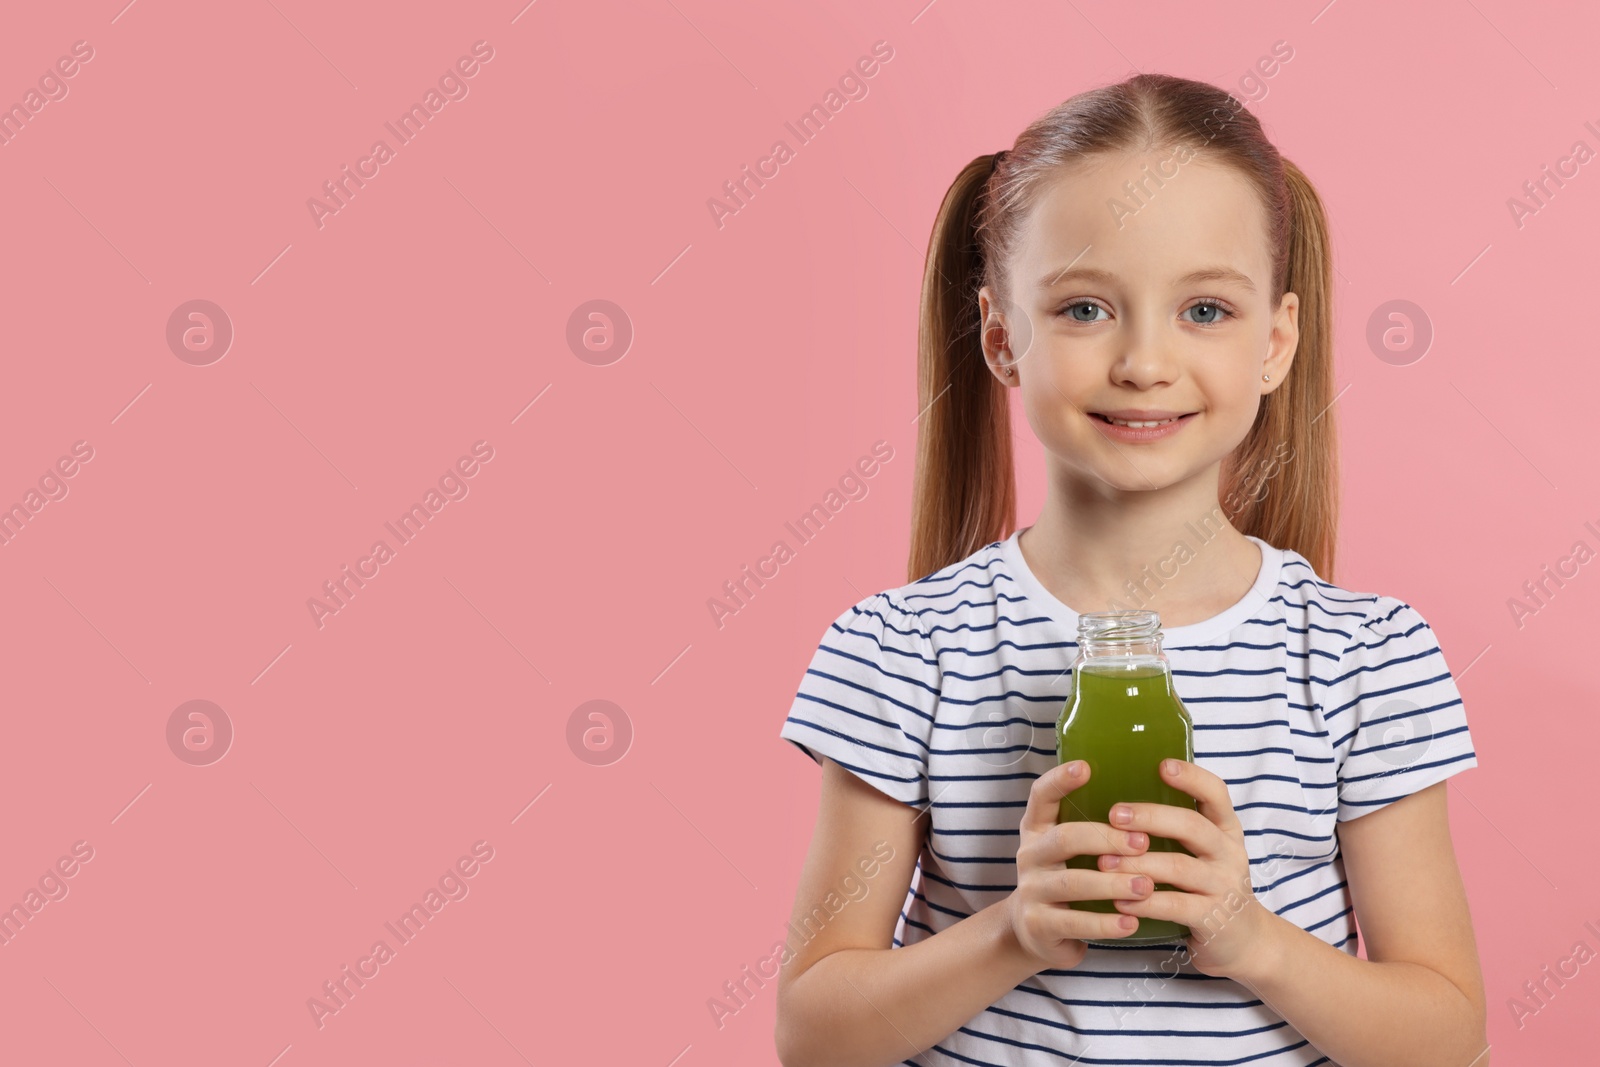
1139, 425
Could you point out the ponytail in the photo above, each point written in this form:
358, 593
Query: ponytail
1283, 478
965, 485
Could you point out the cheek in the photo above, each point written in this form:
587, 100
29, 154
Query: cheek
1059, 383
1234, 391
1045, 392
1052, 399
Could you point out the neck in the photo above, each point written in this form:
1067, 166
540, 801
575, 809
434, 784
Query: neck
1175, 545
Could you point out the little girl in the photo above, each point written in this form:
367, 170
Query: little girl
1155, 279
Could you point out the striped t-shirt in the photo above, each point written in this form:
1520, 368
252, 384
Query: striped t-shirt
1316, 705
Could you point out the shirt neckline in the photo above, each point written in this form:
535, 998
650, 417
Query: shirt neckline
1172, 636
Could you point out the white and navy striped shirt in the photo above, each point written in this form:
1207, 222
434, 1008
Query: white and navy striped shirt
1316, 705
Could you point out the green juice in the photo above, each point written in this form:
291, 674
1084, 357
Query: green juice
1123, 719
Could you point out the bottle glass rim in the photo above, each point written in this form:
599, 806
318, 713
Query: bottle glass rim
1129, 625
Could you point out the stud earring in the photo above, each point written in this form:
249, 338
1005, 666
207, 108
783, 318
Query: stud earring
1266, 378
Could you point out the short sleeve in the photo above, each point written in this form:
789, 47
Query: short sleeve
1393, 712
867, 700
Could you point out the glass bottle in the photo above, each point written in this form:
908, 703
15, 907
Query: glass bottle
1123, 717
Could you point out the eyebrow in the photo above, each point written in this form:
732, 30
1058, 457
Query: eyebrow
1104, 277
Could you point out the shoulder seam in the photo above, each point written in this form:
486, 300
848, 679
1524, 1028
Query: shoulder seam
929, 647
914, 616
1355, 637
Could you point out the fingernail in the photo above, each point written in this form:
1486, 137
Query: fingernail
1169, 766
1111, 862
1128, 922
1074, 768
1138, 840
1122, 813
1141, 884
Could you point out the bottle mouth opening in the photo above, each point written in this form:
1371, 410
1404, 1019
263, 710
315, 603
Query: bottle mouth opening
1119, 627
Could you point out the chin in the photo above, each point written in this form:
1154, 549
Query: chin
1119, 476
1136, 472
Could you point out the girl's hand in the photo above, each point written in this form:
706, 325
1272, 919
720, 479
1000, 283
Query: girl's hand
1226, 922
1048, 930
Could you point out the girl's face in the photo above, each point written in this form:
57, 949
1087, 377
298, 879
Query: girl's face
1160, 305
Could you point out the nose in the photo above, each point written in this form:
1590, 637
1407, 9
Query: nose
1145, 357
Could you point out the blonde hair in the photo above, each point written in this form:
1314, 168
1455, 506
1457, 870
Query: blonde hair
965, 486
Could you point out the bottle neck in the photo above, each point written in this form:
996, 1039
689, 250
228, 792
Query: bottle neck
1139, 655
1118, 650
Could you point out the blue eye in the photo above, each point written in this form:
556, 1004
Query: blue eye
1080, 304
1209, 305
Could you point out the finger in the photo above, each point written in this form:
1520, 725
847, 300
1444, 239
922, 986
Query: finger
1069, 839
1204, 916
1186, 826
1211, 791
1188, 873
1062, 923
1044, 798
1074, 884
1170, 905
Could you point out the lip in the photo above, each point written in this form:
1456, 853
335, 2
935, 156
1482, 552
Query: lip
1141, 435
1142, 414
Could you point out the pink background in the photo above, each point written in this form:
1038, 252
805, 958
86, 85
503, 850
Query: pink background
767, 356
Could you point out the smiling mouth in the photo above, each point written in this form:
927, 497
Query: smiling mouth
1138, 423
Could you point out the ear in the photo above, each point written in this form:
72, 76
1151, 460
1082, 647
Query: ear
997, 332
1282, 343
